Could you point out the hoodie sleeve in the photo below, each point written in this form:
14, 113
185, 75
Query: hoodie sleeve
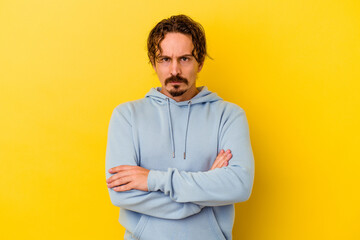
221, 186
120, 150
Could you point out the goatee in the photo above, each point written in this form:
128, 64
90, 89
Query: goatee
175, 92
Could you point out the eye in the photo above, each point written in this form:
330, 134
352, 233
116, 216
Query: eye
163, 59
184, 59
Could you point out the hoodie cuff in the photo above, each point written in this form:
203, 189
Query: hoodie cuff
154, 180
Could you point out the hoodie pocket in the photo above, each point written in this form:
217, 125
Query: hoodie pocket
199, 226
215, 225
140, 226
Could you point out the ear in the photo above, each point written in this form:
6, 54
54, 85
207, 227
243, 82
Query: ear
200, 66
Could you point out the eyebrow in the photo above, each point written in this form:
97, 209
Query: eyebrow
185, 55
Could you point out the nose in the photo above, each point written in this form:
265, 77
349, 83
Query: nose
175, 68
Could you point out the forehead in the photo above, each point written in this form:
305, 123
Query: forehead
176, 44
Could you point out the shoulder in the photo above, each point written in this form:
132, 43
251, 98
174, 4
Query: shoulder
229, 108
233, 118
232, 115
127, 108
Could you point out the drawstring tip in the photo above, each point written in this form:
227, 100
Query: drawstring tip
184, 155
173, 154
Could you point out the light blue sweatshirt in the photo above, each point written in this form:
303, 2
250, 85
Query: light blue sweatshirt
178, 142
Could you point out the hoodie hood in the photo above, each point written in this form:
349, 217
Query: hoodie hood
204, 95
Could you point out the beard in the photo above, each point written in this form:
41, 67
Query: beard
175, 91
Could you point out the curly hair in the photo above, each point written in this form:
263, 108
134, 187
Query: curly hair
179, 24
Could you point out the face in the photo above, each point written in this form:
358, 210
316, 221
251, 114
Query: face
176, 68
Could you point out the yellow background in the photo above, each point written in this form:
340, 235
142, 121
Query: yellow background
293, 66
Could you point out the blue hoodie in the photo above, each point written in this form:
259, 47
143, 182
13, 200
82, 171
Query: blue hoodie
178, 142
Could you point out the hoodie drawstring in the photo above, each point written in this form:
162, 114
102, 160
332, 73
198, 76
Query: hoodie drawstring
187, 125
171, 129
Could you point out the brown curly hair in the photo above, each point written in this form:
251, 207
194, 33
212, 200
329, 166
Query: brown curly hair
180, 24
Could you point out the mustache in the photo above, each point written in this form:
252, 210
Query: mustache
176, 78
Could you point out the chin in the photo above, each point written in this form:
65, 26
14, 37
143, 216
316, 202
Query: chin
177, 93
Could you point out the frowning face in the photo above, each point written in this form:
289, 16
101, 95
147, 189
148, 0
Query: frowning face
176, 67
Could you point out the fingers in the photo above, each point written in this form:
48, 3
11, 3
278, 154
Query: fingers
222, 159
118, 175
218, 159
123, 188
121, 171
119, 181
127, 178
225, 159
225, 164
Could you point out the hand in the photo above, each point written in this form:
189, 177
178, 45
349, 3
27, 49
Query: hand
128, 177
222, 159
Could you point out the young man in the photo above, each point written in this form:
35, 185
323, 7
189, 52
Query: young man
166, 164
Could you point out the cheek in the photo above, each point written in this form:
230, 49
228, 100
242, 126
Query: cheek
161, 74
192, 73
164, 71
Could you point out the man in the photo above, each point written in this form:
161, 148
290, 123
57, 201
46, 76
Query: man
166, 164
